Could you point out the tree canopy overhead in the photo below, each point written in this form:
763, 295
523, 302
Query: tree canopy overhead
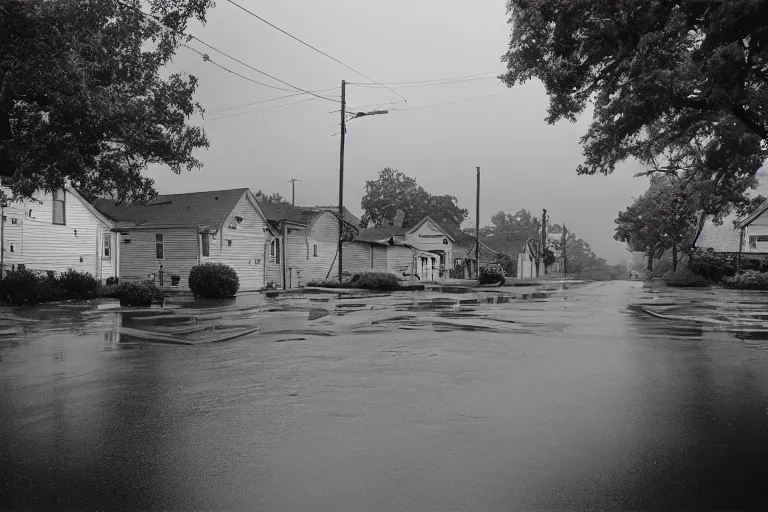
82, 99
680, 86
394, 191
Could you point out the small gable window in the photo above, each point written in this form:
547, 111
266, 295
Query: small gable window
59, 207
314, 251
229, 243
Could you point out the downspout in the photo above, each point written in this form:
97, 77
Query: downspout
284, 252
741, 247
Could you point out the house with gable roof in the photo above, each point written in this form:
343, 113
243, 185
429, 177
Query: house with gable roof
306, 249
165, 238
58, 231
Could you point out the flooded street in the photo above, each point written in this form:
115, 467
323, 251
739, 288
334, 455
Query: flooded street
575, 401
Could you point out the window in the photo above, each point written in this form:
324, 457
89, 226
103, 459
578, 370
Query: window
314, 251
159, 247
11, 247
229, 243
59, 207
175, 280
755, 239
14, 220
206, 244
107, 246
274, 250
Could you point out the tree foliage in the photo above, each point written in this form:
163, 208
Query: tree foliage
82, 99
679, 86
394, 191
274, 197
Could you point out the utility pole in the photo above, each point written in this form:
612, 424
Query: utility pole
341, 163
477, 226
293, 181
543, 267
341, 170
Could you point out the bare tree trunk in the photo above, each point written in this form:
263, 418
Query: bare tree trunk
650, 261
674, 257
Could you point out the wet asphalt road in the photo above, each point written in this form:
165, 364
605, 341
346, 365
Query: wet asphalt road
595, 408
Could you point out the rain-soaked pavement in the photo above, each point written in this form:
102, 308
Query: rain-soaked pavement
409, 402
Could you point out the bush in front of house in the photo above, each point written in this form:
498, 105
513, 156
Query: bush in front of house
377, 281
113, 281
140, 294
684, 278
747, 280
213, 280
20, 287
78, 285
492, 275
711, 265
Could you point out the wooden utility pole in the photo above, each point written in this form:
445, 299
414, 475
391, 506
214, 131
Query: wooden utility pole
293, 181
543, 267
341, 171
477, 226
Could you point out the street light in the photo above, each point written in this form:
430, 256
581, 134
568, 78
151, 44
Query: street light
356, 115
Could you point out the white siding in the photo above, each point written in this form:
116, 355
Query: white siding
752, 231
325, 235
246, 252
399, 260
357, 257
296, 258
41, 245
379, 258
429, 237
272, 270
138, 258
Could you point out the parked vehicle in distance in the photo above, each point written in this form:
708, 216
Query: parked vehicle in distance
634, 275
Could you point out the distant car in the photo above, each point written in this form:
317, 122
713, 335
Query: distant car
634, 275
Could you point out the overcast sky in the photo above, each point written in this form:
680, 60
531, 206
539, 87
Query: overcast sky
524, 162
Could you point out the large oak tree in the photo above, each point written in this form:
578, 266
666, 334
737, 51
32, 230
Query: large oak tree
678, 85
83, 99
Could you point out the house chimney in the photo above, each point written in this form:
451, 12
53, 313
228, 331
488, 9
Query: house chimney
397, 220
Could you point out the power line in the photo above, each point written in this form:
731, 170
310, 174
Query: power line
267, 100
262, 109
448, 103
160, 23
433, 84
312, 47
206, 58
428, 81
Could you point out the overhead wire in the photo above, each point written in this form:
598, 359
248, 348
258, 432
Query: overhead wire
447, 103
313, 48
267, 100
206, 58
433, 84
436, 80
160, 23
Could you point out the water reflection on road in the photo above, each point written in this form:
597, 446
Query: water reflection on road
402, 405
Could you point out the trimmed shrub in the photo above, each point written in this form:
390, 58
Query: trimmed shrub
711, 265
141, 294
377, 281
108, 292
20, 287
111, 281
213, 280
751, 264
684, 278
491, 275
50, 290
748, 280
79, 285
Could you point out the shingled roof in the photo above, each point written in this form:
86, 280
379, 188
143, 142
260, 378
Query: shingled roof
193, 209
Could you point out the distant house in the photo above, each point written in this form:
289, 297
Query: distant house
425, 251
528, 260
164, 239
56, 232
310, 237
